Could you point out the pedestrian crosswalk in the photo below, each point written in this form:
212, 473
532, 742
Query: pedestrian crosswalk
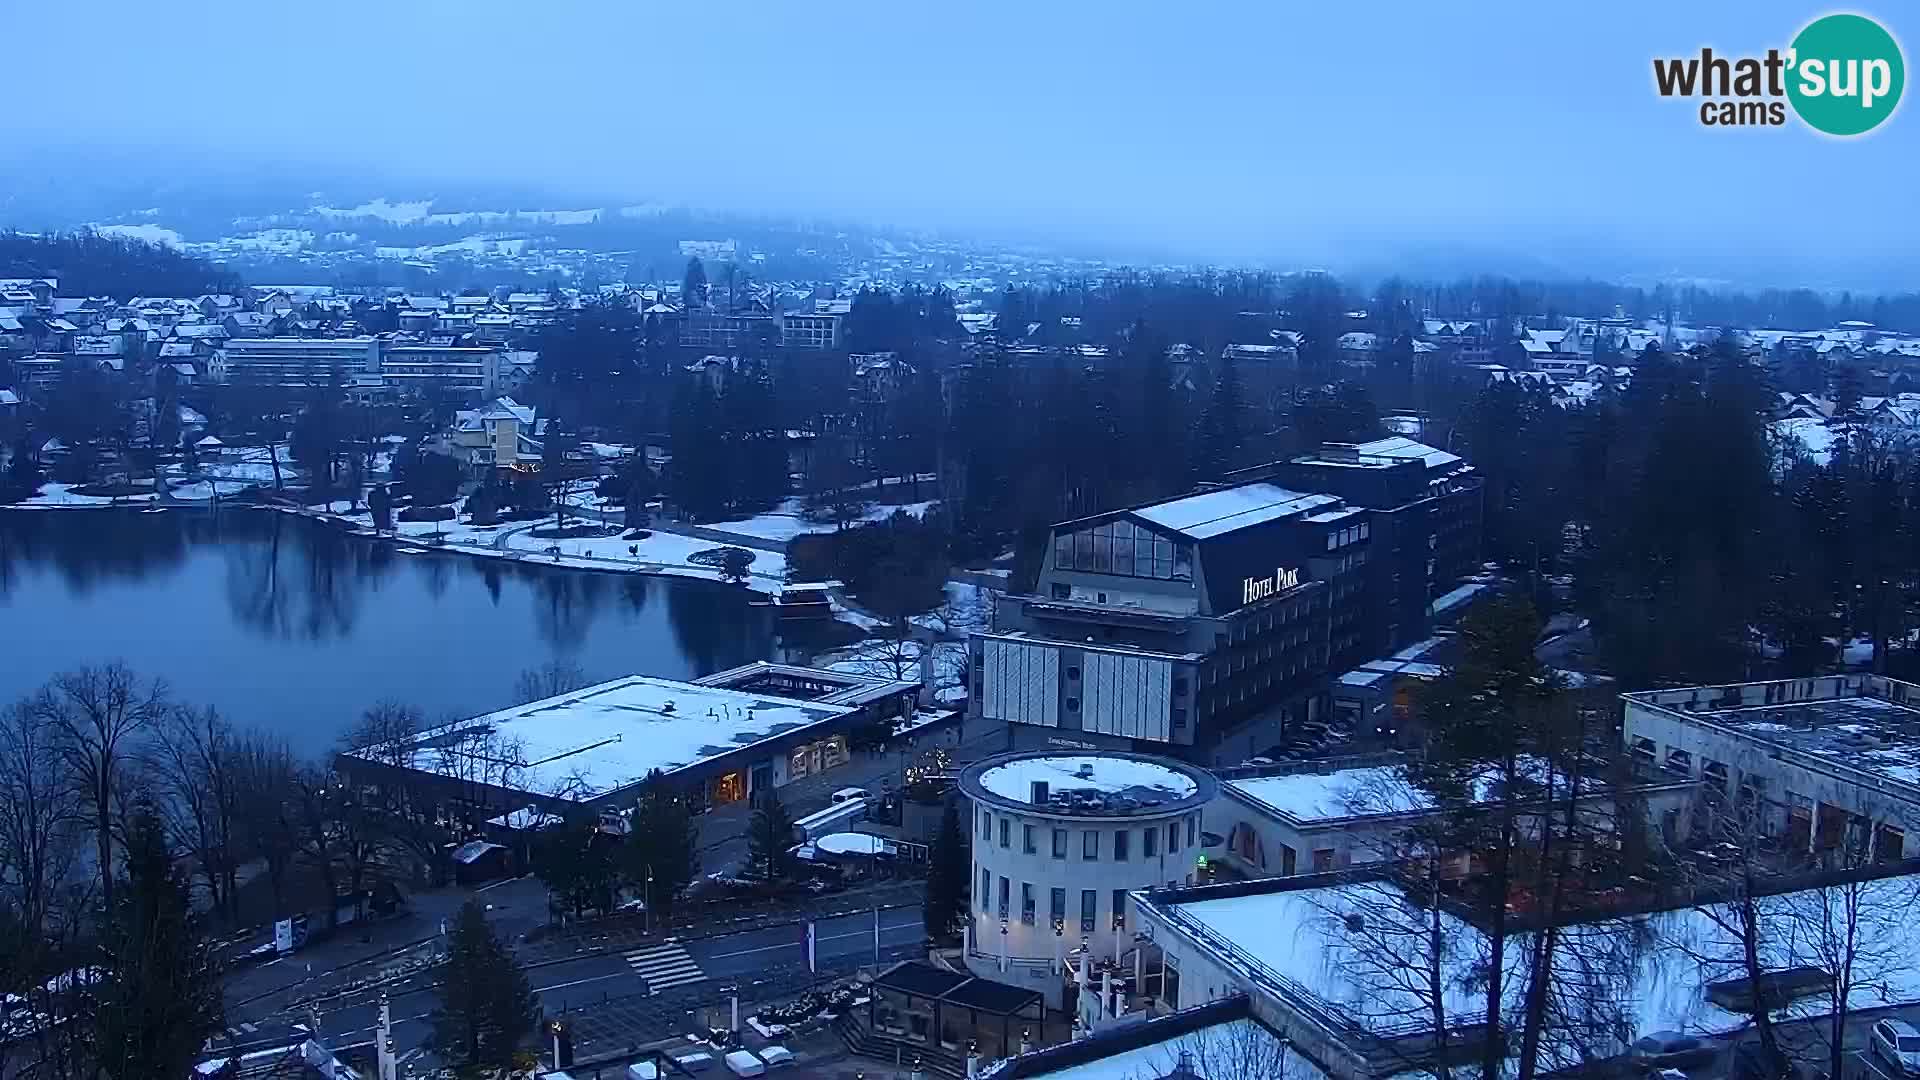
665, 966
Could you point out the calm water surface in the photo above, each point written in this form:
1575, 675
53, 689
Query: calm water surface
293, 626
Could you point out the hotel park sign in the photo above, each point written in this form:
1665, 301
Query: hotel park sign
1259, 588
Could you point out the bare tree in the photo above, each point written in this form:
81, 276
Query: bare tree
1402, 953
40, 814
1236, 1050
268, 829
100, 714
551, 679
1852, 931
196, 759
1745, 923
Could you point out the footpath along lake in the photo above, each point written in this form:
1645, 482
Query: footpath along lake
294, 626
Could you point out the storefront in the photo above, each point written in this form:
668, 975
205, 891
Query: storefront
812, 758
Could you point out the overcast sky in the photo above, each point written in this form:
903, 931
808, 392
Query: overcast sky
1256, 129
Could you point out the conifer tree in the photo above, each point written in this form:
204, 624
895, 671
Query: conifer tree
487, 1007
159, 999
946, 900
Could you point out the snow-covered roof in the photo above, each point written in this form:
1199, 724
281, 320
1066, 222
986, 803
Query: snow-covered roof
1090, 785
1401, 447
1216, 513
1316, 796
586, 743
1300, 940
852, 843
1223, 1047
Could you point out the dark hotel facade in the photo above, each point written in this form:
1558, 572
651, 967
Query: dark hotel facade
1208, 625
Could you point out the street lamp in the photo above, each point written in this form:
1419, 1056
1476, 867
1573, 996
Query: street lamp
646, 904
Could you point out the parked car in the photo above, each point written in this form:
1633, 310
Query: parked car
848, 794
1671, 1050
1897, 1043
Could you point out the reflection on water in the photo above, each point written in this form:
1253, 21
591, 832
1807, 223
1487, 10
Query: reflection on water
297, 626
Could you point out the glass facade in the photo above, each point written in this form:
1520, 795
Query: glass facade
1126, 549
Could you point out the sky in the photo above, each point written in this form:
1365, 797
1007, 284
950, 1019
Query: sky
1269, 130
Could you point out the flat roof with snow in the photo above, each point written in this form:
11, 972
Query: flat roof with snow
1216, 513
1343, 793
1089, 785
1861, 723
587, 743
1324, 943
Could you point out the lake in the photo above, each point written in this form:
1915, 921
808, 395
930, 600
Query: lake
294, 626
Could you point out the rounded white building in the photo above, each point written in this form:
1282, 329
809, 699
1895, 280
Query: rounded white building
1059, 840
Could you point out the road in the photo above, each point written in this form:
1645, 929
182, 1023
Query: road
636, 996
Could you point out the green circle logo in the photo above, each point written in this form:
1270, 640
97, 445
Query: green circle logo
1847, 74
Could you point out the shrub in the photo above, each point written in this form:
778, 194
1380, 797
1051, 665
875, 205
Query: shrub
427, 513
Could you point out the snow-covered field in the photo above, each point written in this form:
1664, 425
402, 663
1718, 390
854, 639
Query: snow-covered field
785, 521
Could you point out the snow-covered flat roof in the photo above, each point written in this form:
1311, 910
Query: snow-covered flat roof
583, 744
1371, 789
1089, 784
1867, 733
1221, 1046
1216, 513
1304, 937
1108, 776
1377, 789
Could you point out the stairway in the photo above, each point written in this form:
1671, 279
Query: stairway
864, 1043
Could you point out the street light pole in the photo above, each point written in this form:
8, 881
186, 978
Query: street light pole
646, 904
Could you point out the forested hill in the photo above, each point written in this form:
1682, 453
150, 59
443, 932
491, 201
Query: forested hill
88, 264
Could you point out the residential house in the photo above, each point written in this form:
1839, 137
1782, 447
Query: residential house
501, 434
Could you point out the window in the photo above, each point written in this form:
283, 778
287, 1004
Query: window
1073, 704
1026, 902
1193, 823
1180, 686
1006, 831
1173, 837
1057, 907
1062, 591
1323, 860
986, 824
1149, 842
1090, 844
1059, 843
1073, 673
1026, 840
1005, 888
1087, 902
986, 889
1119, 909
1287, 858
1120, 845
1179, 717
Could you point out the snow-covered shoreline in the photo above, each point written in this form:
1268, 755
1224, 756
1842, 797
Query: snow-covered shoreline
661, 554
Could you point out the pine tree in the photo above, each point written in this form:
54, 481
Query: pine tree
486, 1005
576, 863
698, 478
663, 845
1492, 737
693, 288
769, 835
1220, 434
946, 901
160, 999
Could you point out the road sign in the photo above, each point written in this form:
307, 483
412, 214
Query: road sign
283, 936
